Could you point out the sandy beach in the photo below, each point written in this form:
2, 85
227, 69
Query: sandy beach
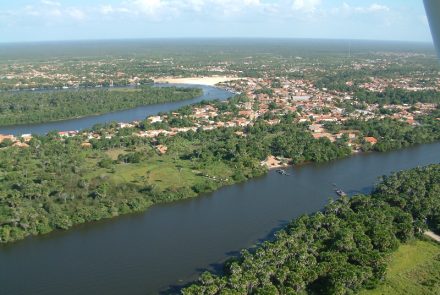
272, 162
210, 81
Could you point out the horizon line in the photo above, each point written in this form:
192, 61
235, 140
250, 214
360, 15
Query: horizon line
216, 38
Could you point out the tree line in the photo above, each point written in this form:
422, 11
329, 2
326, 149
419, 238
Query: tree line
30, 107
397, 96
340, 250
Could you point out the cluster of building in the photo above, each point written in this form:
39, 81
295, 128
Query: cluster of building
16, 141
405, 83
270, 99
65, 75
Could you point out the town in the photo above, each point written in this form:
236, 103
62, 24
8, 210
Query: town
270, 99
219, 147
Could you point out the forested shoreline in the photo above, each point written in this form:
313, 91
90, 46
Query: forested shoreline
56, 183
26, 107
341, 250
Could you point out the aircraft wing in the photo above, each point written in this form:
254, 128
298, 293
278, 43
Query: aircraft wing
433, 12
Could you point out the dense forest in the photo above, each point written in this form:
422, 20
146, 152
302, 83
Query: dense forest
397, 96
340, 250
393, 134
29, 107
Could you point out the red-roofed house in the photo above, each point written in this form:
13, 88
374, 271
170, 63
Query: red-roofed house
371, 140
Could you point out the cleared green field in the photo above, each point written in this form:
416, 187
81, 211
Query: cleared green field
413, 270
162, 172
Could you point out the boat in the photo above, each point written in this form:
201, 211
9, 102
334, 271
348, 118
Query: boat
340, 192
282, 172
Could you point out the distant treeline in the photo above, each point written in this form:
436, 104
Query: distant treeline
398, 96
42, 84
37, 107
340, 250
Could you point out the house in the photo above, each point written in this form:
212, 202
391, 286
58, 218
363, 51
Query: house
240, 133
26, 137
68, 133
371, 140
86, 145
5, 137
20, 144
247, 113
317, 128
63, 133
162, 149
154, 119
273, 122
125, 125
324, 135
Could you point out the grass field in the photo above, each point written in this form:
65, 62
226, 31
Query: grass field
413, 270
162, 172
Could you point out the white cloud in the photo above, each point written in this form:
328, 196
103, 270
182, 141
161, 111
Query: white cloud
55, 12
149, 7
76, 13
109, 9
202, 10
31, 10
306, 5
373, 8
231, 8
51, 3
252, 2
197, 5
51, 11
168, 9
377, 7
106, 9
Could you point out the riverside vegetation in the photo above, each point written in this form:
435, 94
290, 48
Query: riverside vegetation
29, 107
56, 183
346, 247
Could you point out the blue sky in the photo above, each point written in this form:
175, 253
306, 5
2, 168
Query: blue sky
40, 20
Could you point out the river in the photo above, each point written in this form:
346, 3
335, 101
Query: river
139, 113
171, 244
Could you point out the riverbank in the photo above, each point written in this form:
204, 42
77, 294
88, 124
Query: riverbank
120, 171
58, 106
273, 162
209, 81
213, 227
344, 229
130, 115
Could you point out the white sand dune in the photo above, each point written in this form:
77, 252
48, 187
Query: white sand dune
210, 81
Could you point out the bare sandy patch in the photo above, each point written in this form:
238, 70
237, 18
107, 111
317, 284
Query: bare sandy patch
433, 236
274, 162
210, 81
